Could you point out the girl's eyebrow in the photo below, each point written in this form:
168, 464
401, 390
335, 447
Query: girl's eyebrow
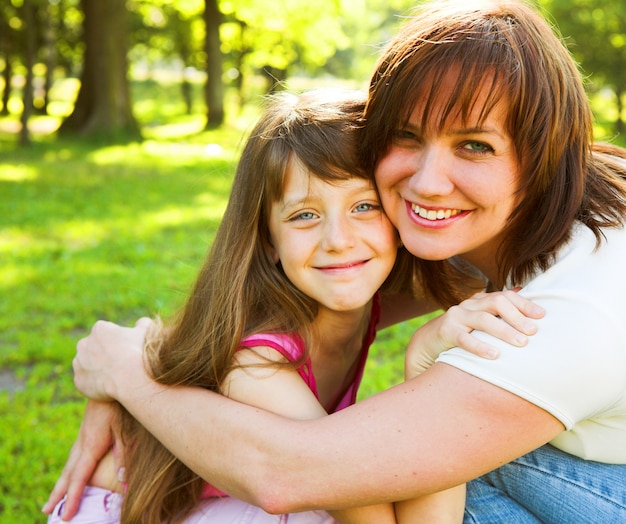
310, 197
294, 202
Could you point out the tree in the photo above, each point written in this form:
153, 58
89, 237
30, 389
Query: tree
8, 39
28, 16
103, 106
214, 88
596, 35
279, 38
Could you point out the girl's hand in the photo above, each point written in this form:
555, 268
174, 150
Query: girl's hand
503, 314
97, 434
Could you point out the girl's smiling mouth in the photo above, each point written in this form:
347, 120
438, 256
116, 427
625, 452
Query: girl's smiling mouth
343, 267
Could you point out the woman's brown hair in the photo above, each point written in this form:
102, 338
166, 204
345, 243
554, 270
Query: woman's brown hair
509, 50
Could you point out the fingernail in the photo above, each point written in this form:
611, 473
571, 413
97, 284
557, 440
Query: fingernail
492, 353
521, 339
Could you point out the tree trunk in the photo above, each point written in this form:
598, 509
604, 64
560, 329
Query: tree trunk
28, 15
49, 50
103, 107
6, 51
214, 87
7, 76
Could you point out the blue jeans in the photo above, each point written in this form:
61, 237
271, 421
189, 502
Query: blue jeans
549, 486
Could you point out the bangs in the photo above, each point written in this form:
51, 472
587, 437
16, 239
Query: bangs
457, 91
479, 65
478, 60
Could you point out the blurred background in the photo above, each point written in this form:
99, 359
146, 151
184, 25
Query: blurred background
76, 62
120, 126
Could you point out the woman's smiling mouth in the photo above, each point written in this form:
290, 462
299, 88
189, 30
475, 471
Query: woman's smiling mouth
435, 214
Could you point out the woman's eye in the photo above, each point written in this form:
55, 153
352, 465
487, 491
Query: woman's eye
477, 147
404, 134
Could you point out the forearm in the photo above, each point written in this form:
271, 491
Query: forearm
415, 439
443, 507
200, 427
379, 513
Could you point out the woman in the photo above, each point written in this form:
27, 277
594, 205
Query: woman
479, 134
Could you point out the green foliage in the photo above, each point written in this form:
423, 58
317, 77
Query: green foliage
596, 34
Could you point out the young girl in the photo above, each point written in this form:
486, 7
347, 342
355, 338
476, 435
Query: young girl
283, 313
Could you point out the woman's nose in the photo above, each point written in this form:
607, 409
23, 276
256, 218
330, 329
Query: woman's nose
431, 176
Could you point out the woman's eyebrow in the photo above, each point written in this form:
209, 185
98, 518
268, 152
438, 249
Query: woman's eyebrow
476, 131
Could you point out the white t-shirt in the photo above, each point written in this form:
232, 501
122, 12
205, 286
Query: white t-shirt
574, 367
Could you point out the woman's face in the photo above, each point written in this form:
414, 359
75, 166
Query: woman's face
450, 191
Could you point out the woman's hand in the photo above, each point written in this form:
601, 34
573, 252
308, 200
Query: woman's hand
97, 434
100, 357
108, 352
503, 314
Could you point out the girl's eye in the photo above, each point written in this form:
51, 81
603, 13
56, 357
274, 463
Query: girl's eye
477, 147
305, 215
365, 206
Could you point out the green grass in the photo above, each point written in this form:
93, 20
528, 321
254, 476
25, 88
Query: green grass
87, 233
91, 231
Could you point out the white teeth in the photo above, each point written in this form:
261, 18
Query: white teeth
431, 214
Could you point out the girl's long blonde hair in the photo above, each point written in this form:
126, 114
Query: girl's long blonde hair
239, 289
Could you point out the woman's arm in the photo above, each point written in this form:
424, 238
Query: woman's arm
431, 433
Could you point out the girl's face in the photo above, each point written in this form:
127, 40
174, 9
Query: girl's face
450, 191
333, 241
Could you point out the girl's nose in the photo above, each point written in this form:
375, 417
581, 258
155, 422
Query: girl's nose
338, 234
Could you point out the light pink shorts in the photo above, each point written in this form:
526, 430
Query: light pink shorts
100, 506
97, 506
227, 510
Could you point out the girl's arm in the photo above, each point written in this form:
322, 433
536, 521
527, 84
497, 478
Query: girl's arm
282, 391
85, 464
505, 315
443, 507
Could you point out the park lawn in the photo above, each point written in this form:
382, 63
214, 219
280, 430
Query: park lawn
90, 231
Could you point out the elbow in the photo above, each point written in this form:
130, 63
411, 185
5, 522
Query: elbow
273, 504
270, 492
273, 500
